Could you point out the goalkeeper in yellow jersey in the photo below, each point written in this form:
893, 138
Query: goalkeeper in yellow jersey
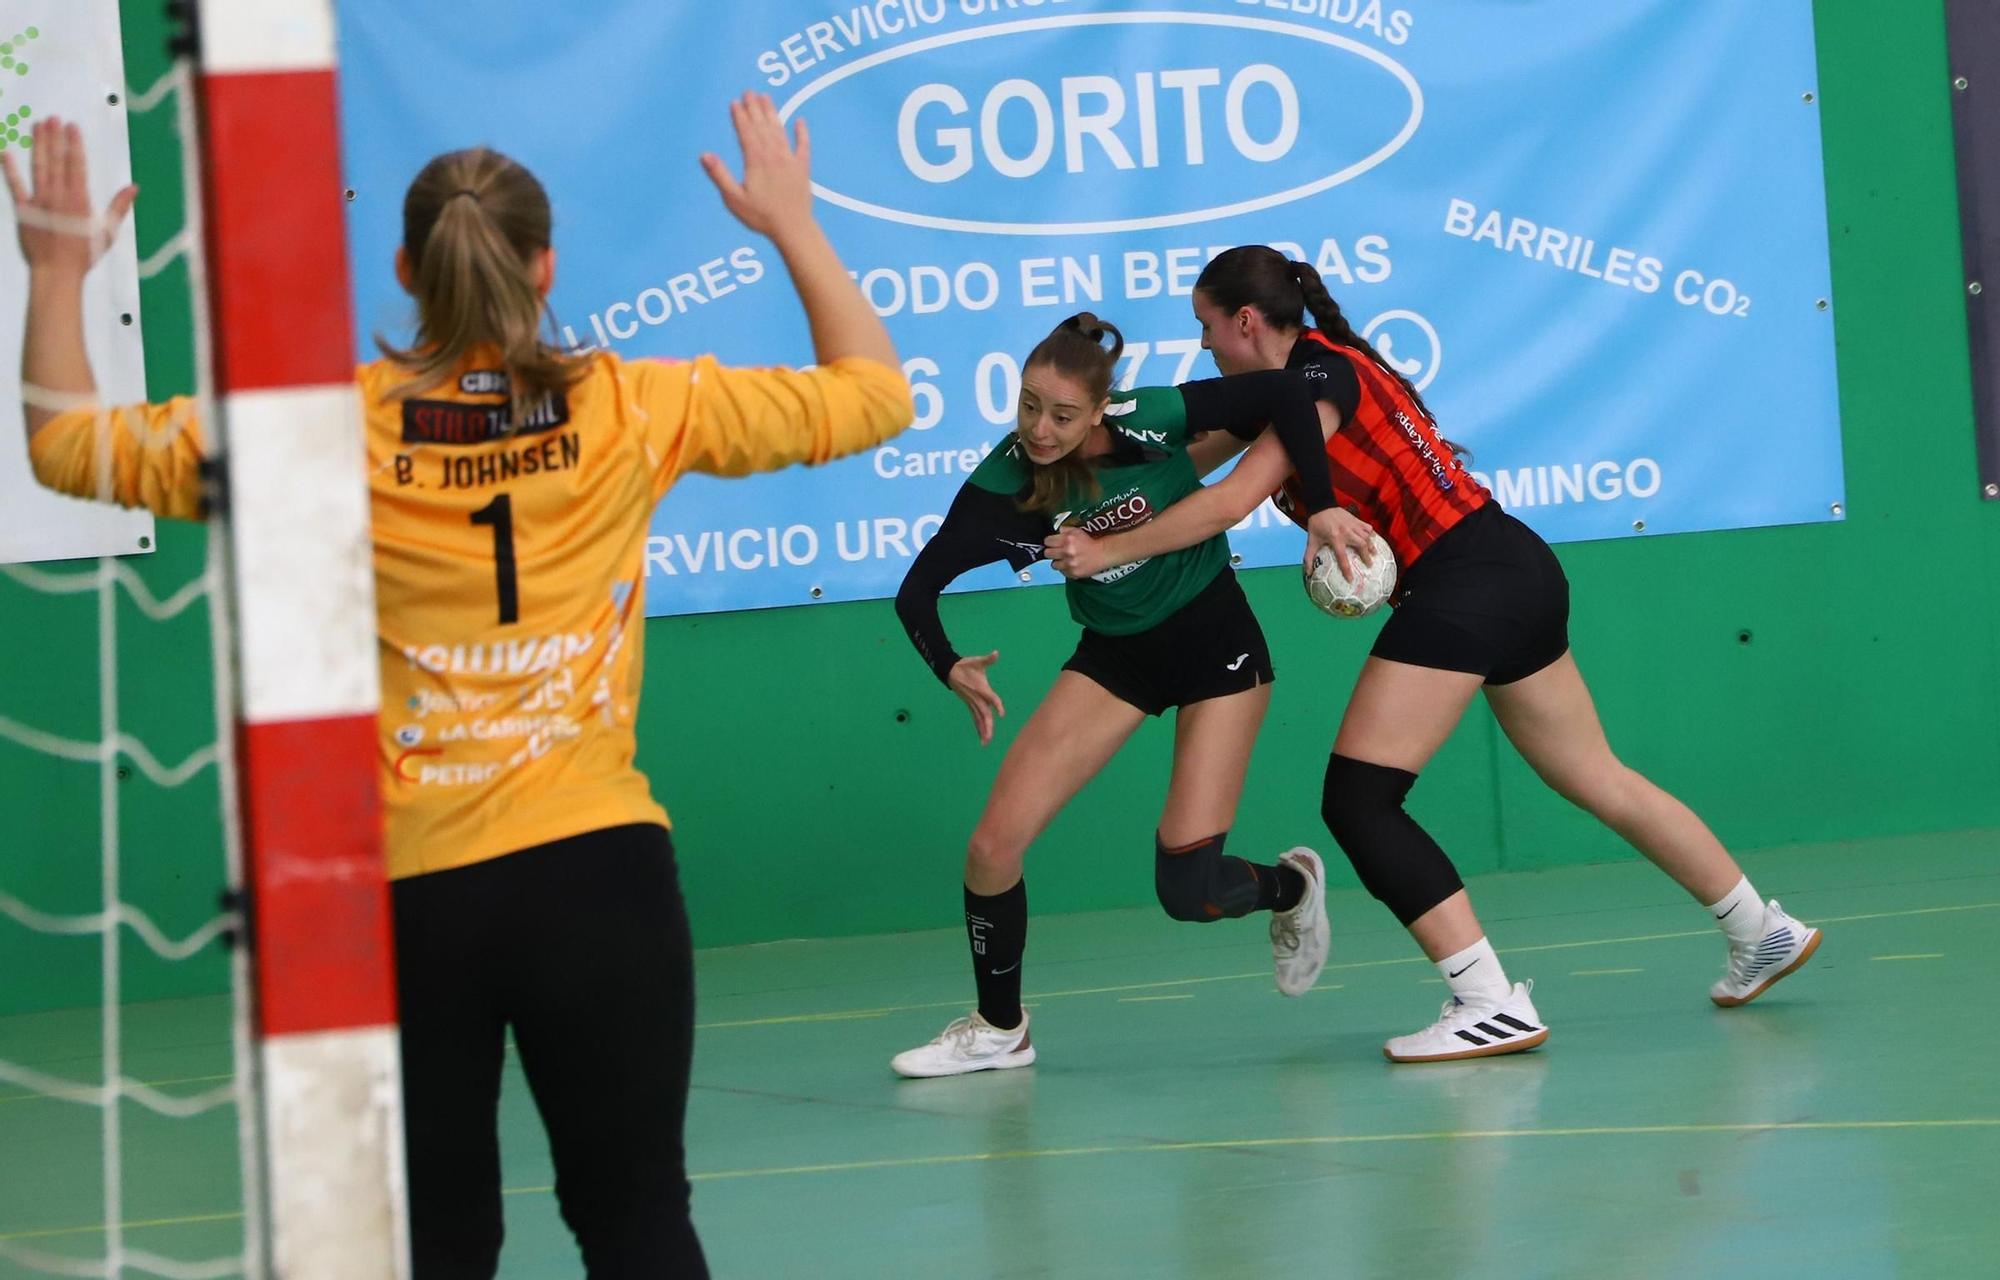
511, 483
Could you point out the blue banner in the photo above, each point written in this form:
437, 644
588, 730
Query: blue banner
1594, 235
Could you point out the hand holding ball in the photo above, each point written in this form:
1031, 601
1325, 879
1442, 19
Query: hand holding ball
1333, 593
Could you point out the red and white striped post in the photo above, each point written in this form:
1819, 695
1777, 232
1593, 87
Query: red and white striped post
290, 435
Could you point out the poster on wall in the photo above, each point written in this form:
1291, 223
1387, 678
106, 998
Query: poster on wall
1593, 235
64, 59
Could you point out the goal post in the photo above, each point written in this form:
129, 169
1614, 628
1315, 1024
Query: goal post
287, 436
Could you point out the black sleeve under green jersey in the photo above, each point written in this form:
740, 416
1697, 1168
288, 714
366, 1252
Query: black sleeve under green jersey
985, 524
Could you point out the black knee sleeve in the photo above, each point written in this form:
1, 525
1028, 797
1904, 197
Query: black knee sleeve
1196, 883
1397, 860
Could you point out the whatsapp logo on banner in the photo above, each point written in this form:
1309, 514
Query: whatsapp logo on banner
1024, 128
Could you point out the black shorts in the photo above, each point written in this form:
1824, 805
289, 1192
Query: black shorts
1210, 647
1488, 597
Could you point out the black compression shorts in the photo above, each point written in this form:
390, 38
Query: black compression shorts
1488, 597
1210, 647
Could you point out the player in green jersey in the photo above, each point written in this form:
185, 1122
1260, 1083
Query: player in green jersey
1169, 631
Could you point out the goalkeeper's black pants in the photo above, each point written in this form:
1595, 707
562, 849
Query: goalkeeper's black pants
580, 948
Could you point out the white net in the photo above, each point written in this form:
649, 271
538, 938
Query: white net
168, 1082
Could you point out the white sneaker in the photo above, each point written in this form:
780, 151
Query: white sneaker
1754, 966
1474, 1030
1300, 937
968, 1044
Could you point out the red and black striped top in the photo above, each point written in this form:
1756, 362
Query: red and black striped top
1389, 465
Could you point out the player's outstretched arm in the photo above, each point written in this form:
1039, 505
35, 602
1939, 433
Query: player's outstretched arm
1206, 512
1214, 449
1194, 519
1283, 399
62, 236
710, 418
981, 527
774, 198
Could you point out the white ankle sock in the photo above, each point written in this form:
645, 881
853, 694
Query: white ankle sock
1740, 914
1475, 975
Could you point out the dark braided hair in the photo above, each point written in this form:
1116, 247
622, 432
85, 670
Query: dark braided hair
1282, 291
1075, 348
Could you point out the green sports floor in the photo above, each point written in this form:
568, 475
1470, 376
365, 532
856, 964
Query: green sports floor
1186, 1120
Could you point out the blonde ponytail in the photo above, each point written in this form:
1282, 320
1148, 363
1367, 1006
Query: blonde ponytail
472, 222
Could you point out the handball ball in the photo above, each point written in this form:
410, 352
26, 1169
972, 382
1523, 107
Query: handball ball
1329, 589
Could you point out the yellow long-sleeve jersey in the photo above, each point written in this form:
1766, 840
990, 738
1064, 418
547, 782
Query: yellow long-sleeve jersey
509, 559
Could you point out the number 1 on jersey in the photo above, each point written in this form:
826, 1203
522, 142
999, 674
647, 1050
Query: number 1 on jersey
500, 514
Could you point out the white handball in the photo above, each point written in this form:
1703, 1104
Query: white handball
1330, 590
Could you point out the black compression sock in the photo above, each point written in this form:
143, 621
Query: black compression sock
997, 928
1279, 888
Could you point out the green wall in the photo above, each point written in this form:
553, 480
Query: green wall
821, 782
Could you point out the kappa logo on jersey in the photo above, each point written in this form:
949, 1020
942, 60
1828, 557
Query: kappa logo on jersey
453, 422
1440, 471
1033, 550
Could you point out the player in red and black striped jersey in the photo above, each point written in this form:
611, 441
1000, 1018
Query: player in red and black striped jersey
1481, 603
1388, 463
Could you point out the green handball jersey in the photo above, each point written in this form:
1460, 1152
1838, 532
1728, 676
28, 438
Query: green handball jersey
1146, 472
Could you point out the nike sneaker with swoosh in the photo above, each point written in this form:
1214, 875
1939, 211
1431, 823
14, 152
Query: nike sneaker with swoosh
1755, 965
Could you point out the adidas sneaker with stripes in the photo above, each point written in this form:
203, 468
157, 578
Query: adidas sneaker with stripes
1474, 1030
